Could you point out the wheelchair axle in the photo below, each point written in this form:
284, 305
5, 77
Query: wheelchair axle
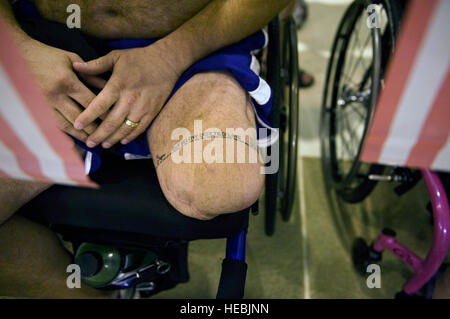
398, 174
348, 95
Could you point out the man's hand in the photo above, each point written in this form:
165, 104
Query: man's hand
141, 81
143, 78
52, 68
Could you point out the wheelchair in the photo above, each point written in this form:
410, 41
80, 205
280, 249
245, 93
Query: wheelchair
127, 236
352, 87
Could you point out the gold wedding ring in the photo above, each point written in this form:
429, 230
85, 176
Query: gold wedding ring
131, 123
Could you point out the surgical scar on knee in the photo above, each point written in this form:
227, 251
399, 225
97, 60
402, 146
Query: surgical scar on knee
205, 136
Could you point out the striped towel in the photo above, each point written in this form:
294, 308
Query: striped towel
411, 124
31, 145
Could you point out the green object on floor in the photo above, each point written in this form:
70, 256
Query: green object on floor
105, 269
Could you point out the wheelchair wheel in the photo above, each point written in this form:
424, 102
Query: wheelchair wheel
282, 76
289, 120
273, 79
356, 68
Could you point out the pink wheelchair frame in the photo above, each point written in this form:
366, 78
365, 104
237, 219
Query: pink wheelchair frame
424, 269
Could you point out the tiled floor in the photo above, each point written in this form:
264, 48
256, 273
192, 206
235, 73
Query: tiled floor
309, 257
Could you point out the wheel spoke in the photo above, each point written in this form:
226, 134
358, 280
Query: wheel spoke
349, 80
356, 141
355, 40
360, 56
352, 108
352, 105
352, 136
344, 141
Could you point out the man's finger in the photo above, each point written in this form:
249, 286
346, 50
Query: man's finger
99, 105
67, 127
70, 110
110, 124
97, 66
104, 115
94, 81
143, 124
80, 93
126, 130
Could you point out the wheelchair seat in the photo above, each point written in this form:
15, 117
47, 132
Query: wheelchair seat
129, 200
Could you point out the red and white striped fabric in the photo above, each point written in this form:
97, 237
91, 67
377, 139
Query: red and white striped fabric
31, 145
411, 124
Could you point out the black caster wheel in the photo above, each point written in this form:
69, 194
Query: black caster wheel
363, 255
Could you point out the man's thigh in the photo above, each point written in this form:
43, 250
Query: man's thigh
15, 193
231, 180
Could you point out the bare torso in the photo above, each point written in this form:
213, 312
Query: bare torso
124, 18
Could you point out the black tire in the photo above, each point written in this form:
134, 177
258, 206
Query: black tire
289, 123
273, 79
354, 185
282, 76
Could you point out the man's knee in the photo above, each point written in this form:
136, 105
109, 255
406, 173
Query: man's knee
204, 191
210, 117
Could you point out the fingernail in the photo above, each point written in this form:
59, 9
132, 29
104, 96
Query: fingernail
124, 141
80, 63
78, 125
90, 144
106, 145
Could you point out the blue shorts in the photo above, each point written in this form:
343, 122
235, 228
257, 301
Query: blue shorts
238, 59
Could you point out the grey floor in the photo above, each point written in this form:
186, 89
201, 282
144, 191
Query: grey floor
309, 256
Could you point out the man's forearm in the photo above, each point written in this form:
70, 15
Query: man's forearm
7, 15
219, 24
